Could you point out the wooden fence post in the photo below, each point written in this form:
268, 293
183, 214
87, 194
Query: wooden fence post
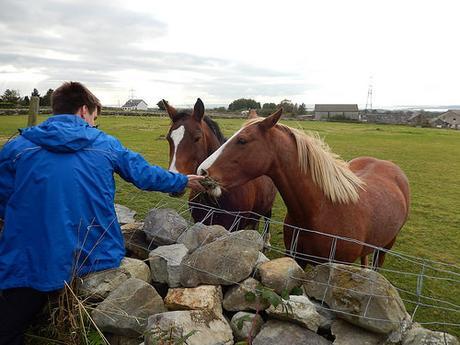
33, 111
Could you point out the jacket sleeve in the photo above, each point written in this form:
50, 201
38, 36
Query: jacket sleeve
132, 167
6, 180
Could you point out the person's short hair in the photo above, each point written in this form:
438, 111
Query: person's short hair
70, 96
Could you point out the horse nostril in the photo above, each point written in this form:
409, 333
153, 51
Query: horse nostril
203, 172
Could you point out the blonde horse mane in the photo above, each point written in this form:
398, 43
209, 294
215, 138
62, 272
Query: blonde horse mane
327, 170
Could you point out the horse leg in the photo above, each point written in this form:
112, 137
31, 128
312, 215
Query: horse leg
379, 256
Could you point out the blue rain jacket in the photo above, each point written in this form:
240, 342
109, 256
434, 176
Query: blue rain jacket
57, 200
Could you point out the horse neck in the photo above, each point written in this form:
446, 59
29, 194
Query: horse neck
300, 194
212, 142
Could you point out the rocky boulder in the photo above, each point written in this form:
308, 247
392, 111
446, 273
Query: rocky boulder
363, 297
126, 309
136, 242
97, 286
299, 310
417, 335
203, 297
226, 261
327, 316
235, 297
163, 226
348, 334
165, 264
199, 234
198, 327
243, 323
124, 214
283, 274
279, 332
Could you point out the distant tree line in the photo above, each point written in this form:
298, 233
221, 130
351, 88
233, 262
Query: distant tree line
12, 98
268, 108
242, 104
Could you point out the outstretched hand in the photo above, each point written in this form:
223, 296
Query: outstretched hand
194, 183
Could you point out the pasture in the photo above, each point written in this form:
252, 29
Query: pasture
429, 157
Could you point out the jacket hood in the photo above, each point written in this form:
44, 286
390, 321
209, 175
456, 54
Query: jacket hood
62, 133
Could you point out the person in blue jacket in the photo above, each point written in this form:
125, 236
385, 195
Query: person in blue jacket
57, 202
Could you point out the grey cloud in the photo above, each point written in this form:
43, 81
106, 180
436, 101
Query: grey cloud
106, 39
82, 27
253, 87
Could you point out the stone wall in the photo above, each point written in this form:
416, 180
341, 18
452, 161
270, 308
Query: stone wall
203, 285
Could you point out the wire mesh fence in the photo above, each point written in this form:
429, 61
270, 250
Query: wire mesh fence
430, 289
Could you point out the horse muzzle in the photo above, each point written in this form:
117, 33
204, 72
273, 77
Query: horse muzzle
215, 191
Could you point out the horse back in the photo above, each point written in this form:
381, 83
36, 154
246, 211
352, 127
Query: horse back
386, 194
384, 174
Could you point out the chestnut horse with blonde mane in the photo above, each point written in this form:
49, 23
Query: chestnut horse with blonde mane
193, 137
366, 200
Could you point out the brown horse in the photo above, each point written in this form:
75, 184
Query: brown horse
192, 138
366, 200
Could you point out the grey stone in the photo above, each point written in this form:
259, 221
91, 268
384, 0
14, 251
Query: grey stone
165, 264
327, 316
243, 323
261, 259
203, 297
285, 333
226, 261
235, 297
115, 339
421, 336
136, 242
97, 286
126, 309
348, 334
199, 234
163, 226
361, 296
281, 274
124, 214
299, 310
208, 328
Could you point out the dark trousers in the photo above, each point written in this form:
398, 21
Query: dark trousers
18, 307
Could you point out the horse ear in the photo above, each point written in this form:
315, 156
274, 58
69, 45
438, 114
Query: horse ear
198, 110
172, 112
271, 120
252, 114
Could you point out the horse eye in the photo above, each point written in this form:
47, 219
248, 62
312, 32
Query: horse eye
241, 141
196, 139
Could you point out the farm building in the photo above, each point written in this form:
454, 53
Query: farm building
449, 119
419, 120
439, 123
135, 104
331, 111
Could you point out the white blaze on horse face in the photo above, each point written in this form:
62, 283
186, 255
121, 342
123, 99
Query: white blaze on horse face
212, 158
176, 135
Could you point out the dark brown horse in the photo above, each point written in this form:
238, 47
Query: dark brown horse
192, 138
366, 200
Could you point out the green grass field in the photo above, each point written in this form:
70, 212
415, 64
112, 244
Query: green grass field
429, 157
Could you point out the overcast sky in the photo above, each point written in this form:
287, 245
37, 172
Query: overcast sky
305, 51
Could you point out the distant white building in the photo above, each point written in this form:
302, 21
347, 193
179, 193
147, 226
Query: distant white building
135, 104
